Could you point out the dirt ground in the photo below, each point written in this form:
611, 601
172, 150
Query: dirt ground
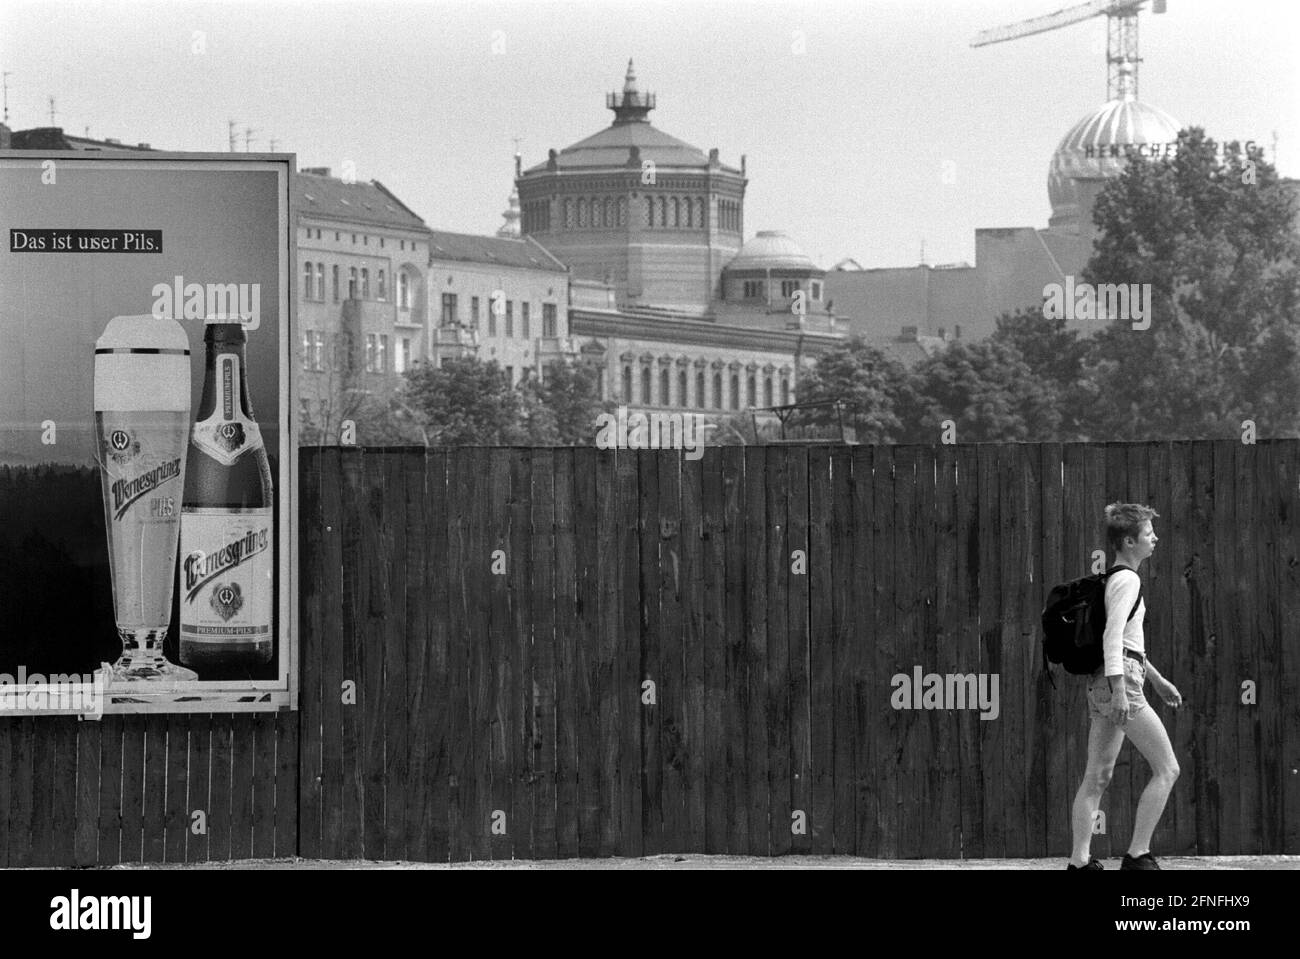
671, 861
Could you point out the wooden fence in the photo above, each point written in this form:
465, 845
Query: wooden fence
534, 653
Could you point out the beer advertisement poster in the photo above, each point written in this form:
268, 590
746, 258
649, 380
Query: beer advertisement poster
147, 463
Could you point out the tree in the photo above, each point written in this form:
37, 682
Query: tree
1055, 356
988, 391
570, 392
465, 402
875, 388
1215, 238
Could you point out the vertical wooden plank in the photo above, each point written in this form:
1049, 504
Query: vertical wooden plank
598, 572
312, 600
1033, 687
842, 536
417, 702
286, 785
1179, 557
516, 695
462, 465
885, 723
1288, 591
541, 615
488, 503
396, 721
624, 719
197, 797
21, 792
992, 547
729, 543
571, 608
797, 631
1227, 630
352, 491
867, 694
370, 646
1264, 514
41, 784
7, 727
757, 532
913, 800
330, 644
508, 471
778, 651
696, 733
675, 760
1160, 637
1201, 662
710, 564
435, 715
1018, 546
155, 786
86, 821
969, 547
821, 651
1078, 526
243, 772
944, 651
264, 788
132, 819
110, 791
219, 790
1244, 641
63, 804
653, 760
1058, 792
176, 822
1129, 484
1100, 475
938, 823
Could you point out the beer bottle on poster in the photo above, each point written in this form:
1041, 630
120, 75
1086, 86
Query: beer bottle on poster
227, 555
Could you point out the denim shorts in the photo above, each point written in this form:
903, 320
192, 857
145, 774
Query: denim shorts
1135, 676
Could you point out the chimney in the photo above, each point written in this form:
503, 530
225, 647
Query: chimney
316, 170
113, 141
908, 334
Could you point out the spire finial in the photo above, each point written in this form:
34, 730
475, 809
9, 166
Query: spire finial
629, 84
632, 106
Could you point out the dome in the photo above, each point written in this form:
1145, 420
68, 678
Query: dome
771, 250
1097, 147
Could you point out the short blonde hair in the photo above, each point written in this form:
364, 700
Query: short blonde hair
1126, 519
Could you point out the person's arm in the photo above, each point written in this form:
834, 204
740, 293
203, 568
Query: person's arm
1163, 687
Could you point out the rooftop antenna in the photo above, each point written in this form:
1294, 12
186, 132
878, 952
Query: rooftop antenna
4, 79
231, 125
274, 143
51, 111
248, 137
1121, 37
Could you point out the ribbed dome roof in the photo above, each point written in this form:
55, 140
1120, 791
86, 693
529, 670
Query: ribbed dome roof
771, 249
611, 146
1123, 123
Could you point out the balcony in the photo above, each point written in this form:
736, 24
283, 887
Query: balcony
551, 348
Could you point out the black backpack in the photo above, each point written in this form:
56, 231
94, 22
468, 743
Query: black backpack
1074, 619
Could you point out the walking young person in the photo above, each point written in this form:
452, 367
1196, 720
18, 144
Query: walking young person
1116, 704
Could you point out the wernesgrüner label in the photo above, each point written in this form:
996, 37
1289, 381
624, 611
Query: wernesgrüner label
226, 575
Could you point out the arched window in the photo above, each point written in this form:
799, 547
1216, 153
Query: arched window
664, 398
717, 391
622, 211
403, 291
568, 213
649, 211
645, 385
582, 212
306, 281
752, 392
609, 211
690, 211
785, 391
627, 384
663, 211
700, 219
735, 391
767, 391
700, 398
681, 388
677, 212
320, 282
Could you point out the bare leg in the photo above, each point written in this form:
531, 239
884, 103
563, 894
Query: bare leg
1149, 736
1104, 742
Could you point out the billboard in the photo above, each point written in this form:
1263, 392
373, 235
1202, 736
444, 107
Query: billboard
147, 459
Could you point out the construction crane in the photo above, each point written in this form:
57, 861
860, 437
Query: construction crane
1121, 37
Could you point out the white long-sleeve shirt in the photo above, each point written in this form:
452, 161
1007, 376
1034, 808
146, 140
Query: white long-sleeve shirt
1122, 588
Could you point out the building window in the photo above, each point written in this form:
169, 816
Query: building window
335, 283
767, 391
449, 312
627, 384
365, 240
402, 361
700, 399
306, 281
816, 289
548, 319
717, 391
645, 385
365, 283
785, 391
370, 352
492, 317
568, 213
681, 388
663, 211
754, 289
473, 312
664, 398
320, 282
306, 349
383, 288
677, 212
700, 219
525, 320
381, 355
622, 211
510, 317
788, 288
381, 243
735, 391
582, 212
336, 236
352, 283
354, 239
752, 391
318, 351
403, 291
403, 244
649, 211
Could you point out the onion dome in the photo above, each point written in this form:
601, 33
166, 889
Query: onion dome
771, 250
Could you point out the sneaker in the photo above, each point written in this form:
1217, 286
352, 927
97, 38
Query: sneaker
1094, 865
1144, 861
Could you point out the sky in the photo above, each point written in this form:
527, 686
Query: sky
872, 130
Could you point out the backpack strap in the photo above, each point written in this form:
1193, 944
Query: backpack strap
1137, 602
